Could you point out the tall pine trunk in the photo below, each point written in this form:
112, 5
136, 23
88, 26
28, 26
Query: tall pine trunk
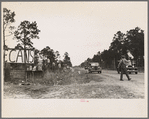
4, 67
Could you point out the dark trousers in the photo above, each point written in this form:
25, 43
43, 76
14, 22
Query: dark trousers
124, 71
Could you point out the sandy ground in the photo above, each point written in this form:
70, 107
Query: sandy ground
93, 86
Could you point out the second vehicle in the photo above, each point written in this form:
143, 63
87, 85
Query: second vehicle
94, 67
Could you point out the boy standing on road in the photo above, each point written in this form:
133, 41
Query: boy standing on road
122, 66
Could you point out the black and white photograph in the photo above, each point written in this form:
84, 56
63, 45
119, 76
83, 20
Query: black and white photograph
82, 50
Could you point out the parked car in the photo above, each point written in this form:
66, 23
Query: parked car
131, 68
94, 67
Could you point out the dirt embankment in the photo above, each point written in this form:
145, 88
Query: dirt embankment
72, 84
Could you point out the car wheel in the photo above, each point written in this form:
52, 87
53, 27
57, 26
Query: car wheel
100, 72
129, 72
136, 72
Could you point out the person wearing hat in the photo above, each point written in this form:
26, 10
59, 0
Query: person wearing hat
122, 67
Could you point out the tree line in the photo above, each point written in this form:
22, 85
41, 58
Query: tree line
24, 34
132, 41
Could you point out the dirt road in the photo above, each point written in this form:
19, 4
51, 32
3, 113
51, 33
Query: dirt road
85, 86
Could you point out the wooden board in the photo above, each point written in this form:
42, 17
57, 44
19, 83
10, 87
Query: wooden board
17, 74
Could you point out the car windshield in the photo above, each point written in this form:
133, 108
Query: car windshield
94, 64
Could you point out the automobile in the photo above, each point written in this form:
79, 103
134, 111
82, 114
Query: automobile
94, 67
131, 68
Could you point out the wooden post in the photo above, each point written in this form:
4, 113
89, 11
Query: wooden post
25, 61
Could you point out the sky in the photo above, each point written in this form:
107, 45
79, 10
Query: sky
79, 28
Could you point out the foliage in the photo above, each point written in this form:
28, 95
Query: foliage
96, 58
49, 53
133, 41
18, 46
25, 32
57, 56
8, 17
67, 60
